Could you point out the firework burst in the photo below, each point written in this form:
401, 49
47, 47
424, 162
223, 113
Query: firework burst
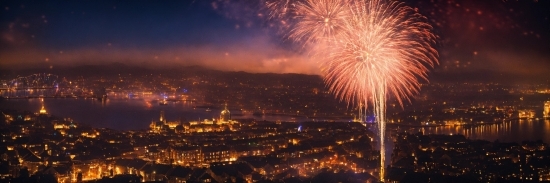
368, 50
279, 9
385, 50
384, 43
318, 20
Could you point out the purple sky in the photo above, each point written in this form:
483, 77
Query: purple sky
500, 36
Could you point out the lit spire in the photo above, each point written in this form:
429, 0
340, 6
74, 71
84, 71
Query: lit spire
162, 119
43, 110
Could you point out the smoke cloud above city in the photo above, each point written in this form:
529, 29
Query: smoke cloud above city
241, 36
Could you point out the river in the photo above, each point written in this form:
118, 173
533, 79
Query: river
135, 114
127, 114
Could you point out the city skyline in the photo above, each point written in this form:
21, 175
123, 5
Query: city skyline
275, 91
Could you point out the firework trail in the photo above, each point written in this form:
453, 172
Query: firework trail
385, 49
318, 21
278, 9
368, 50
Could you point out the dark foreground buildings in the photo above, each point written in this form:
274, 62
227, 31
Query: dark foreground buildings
37, 147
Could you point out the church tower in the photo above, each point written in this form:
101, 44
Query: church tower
162, 119
225, 115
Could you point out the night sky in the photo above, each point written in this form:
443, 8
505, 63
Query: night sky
491, 36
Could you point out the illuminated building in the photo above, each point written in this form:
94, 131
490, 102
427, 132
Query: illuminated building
9, 118
162, 119
225, 114
215, 125
163, 102
63, 126
192, 155
225, 117
526, 114
43, 111
162, 125
546, 112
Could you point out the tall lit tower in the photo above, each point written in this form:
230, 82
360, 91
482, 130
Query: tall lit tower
225, 115
546, 112
43, 111
162, 119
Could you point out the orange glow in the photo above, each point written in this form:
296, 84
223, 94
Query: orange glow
367, 50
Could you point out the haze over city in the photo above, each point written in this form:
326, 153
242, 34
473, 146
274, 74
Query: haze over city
500, 37
275, 91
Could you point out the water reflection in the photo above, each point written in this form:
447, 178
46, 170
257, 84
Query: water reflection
512, 131
127, 114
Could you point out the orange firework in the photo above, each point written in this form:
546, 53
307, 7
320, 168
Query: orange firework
278, 8
384, 43
318, 20
368, 50
386, 48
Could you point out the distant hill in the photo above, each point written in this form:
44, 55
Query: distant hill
113, 69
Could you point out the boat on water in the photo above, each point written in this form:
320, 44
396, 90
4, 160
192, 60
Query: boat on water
208, 110
163, 102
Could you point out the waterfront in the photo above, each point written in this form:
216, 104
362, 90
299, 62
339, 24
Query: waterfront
128, 114
512, 131
138, 114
